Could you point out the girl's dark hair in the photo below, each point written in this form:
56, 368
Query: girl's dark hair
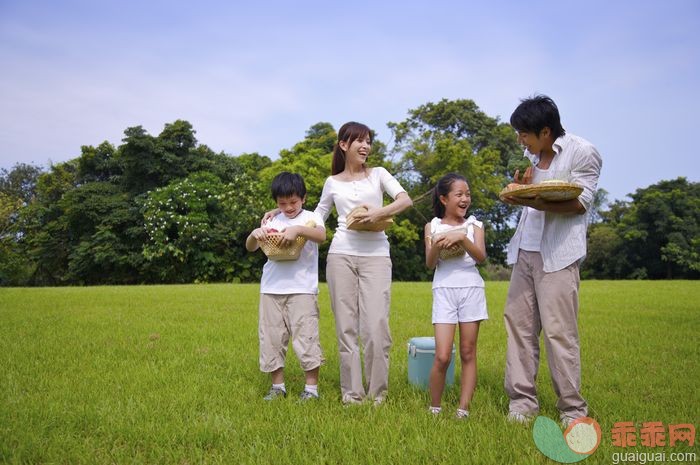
536, 113
287, 184
443, 187
349, 132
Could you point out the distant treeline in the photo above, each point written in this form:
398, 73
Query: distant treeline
167, 209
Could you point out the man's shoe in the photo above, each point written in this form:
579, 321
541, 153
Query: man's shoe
517, 417
566, 421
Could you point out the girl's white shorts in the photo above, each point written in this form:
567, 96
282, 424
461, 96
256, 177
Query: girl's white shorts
454, 305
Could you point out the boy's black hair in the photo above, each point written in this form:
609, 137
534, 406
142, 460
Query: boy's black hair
536, 113
443, 187
287, 184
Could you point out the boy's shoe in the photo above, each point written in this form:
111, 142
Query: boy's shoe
307, 395
462, 414
517, 417
434, 410
274, 393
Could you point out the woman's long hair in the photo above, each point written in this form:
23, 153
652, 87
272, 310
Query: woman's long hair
349, 132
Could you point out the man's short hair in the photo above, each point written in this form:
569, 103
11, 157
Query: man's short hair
536, 113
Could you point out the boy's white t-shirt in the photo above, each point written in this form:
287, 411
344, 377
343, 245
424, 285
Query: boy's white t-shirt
458, 271
346, 195
293, 276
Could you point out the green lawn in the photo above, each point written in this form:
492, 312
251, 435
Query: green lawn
169, 374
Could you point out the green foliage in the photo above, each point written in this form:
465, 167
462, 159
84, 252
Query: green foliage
98, 164
456, 136
20, 181
99, 220
167, 209
196, 225
656, 235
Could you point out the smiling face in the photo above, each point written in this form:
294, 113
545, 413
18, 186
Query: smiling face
357, 151
458, 200
536, 144
291, 206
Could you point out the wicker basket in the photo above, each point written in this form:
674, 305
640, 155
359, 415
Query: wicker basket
353, 223
271, 247
455, 251
553, 191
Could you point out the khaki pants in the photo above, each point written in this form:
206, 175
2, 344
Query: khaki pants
543, 302
360, 290
281, 316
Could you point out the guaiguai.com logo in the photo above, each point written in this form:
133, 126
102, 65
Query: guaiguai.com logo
577, 443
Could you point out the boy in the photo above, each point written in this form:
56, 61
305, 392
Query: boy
289, 290
548, 245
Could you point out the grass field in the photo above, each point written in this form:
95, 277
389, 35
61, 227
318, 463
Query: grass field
169, 374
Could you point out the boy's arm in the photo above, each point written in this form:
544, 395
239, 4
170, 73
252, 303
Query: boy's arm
313, 233
252, 241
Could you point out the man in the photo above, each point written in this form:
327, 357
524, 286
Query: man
546, 250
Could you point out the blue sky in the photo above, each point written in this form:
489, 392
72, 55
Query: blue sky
254, 76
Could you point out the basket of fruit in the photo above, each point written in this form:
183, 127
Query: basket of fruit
273, 248
353, 222
455, 251
553, 190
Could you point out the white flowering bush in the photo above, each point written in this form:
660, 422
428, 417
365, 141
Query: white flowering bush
196, 226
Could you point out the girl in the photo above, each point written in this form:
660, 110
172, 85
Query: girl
458, 289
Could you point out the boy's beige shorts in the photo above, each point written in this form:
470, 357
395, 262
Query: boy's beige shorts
285, 316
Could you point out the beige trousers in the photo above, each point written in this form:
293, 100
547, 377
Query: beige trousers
282, 315
543, 302
360, 291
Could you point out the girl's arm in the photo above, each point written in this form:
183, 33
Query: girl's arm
476, 249
432, 254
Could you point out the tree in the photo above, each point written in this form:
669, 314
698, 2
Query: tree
99, 221
457, 136
663, 225
43, 229
98, 164
20, 181
656, 235
600, 200
196, 227
17, 191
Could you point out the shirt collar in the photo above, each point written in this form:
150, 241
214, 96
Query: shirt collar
557, 146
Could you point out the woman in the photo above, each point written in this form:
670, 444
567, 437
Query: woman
358, 266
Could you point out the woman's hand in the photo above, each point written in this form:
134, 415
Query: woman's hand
372, 215
269, 215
